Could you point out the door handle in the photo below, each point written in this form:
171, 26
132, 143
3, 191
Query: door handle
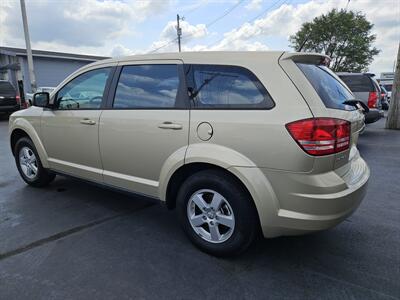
87, 122
170, 125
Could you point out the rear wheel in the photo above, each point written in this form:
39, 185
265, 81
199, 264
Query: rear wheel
29, 165
216, 213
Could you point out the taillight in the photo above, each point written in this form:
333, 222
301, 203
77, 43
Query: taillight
18, 99
372, 99
321, 136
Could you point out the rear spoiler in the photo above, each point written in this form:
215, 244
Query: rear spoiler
310, 58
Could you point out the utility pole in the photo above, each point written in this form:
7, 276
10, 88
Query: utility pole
28, 47
347, 5
178, 31
393, 118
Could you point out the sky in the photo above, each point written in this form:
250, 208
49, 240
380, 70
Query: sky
125, 27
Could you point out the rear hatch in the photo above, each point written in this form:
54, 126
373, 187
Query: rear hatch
7, 94
325, 94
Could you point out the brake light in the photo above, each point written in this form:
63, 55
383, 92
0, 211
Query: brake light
18, 99
321, 136
372, 99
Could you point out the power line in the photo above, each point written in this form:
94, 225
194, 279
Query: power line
165, 45
252, 19
227, 12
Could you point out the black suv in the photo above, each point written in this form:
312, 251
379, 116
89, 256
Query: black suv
9, 99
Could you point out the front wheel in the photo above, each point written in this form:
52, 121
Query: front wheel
29, 165
217, 213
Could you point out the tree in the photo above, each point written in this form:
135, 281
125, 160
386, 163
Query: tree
343, 35
393, 118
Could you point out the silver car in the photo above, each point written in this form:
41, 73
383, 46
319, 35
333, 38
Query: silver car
365, 88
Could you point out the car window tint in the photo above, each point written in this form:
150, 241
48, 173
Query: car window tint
84, 92
147, 86
7, 89
358, 83
388, 87
331, 91
217, 86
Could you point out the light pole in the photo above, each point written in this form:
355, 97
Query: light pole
28, 47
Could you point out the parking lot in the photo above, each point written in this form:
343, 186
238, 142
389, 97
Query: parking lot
73, 240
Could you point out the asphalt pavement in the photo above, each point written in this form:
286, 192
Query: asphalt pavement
73, 240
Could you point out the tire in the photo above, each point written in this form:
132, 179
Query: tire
236, 210
27, 159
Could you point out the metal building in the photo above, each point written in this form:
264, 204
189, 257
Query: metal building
50, 67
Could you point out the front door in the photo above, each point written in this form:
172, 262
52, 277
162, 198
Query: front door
145, 127
70, 130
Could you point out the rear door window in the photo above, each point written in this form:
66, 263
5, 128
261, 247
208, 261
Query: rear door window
331, 91
358, 83
227, 87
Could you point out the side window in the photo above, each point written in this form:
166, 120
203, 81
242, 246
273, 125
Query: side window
83, 92
224, 87
147, 86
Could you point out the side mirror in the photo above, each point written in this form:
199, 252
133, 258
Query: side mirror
41, 99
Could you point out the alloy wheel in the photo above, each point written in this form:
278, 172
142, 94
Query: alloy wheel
211, 216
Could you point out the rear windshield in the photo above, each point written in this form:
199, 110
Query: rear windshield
6, 89
331, 91
388, 87
358, 83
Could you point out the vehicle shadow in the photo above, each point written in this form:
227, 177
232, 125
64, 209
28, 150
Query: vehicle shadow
156, 218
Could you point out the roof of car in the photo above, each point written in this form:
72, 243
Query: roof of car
193, 56
354, 74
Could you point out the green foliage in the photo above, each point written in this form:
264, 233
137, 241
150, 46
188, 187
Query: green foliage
343, 35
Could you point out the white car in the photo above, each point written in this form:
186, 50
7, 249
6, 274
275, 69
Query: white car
47, 89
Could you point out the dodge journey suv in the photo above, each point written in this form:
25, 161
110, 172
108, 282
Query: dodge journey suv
237, 142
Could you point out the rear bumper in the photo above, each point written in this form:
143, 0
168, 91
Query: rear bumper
9, 108
299, 203
373, 115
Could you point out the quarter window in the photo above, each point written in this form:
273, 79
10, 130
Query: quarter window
84, 92
224, 87
327, 85
147, 86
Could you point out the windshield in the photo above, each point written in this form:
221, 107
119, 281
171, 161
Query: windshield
327, 85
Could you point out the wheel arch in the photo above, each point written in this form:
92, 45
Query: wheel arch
22, 128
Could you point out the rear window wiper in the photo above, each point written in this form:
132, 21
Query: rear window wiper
358, 104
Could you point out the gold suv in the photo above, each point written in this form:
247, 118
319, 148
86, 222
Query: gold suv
237, 142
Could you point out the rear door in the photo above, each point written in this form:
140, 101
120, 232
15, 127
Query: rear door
145, 125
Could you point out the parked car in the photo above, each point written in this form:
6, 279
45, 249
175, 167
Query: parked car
9, 99
29, 96
384, 98
366, 89
388, 87
237, 142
